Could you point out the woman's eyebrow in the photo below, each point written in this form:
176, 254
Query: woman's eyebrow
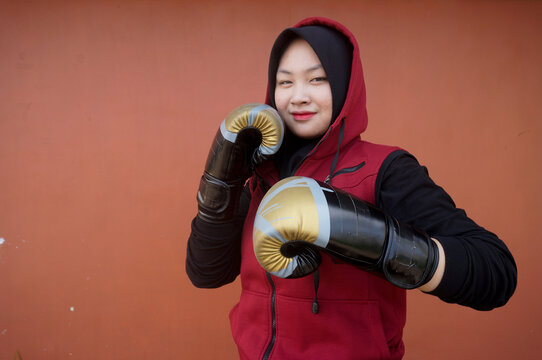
312, 68
315, 67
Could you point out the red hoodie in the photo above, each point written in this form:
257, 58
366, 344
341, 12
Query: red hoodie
361, 315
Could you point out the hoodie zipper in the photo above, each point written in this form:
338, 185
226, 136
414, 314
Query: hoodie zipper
305, 158
315, 306
312, 151
273, 319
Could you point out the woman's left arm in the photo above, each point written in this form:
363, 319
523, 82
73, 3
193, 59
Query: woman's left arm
475, 268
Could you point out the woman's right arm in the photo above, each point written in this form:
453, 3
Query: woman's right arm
244, 139
213, 254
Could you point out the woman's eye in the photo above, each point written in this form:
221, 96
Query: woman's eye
284, 82
319, 79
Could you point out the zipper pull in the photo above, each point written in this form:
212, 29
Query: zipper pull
328, 179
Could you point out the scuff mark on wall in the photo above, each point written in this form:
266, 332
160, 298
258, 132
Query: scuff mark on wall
2, 241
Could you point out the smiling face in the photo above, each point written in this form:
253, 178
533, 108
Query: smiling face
302, 93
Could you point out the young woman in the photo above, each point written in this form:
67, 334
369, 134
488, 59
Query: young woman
337, 308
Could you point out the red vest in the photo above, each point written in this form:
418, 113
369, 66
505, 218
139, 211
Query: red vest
361, 315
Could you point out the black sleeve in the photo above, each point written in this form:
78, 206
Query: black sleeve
480, 271
213, 254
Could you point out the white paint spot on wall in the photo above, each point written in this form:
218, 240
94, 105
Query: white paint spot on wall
2, 241
72, 308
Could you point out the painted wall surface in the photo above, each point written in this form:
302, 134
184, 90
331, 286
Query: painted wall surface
107, 111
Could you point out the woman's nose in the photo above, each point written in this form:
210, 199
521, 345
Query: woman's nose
300, 95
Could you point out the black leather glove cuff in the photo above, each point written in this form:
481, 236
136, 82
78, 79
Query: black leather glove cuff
411, 257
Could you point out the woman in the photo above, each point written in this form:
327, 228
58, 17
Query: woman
341, 311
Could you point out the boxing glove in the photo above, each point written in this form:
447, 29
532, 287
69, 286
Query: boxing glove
299, 216
246, 137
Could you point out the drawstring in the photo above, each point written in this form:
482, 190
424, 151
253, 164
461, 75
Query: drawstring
336, 158
315, 306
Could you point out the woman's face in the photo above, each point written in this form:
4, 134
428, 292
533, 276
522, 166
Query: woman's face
302, 94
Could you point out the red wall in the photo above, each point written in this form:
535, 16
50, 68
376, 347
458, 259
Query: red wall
107, 111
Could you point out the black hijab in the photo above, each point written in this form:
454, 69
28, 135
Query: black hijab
334, 51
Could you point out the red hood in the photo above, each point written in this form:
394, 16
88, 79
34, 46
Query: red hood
354, 111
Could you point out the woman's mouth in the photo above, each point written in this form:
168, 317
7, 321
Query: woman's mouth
303, 115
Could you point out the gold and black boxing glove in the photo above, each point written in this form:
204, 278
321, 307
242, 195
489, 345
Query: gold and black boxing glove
245, 138
299, 216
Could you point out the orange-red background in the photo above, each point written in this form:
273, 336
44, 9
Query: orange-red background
107, 111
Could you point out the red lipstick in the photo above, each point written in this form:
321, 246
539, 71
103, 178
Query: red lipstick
303, 115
